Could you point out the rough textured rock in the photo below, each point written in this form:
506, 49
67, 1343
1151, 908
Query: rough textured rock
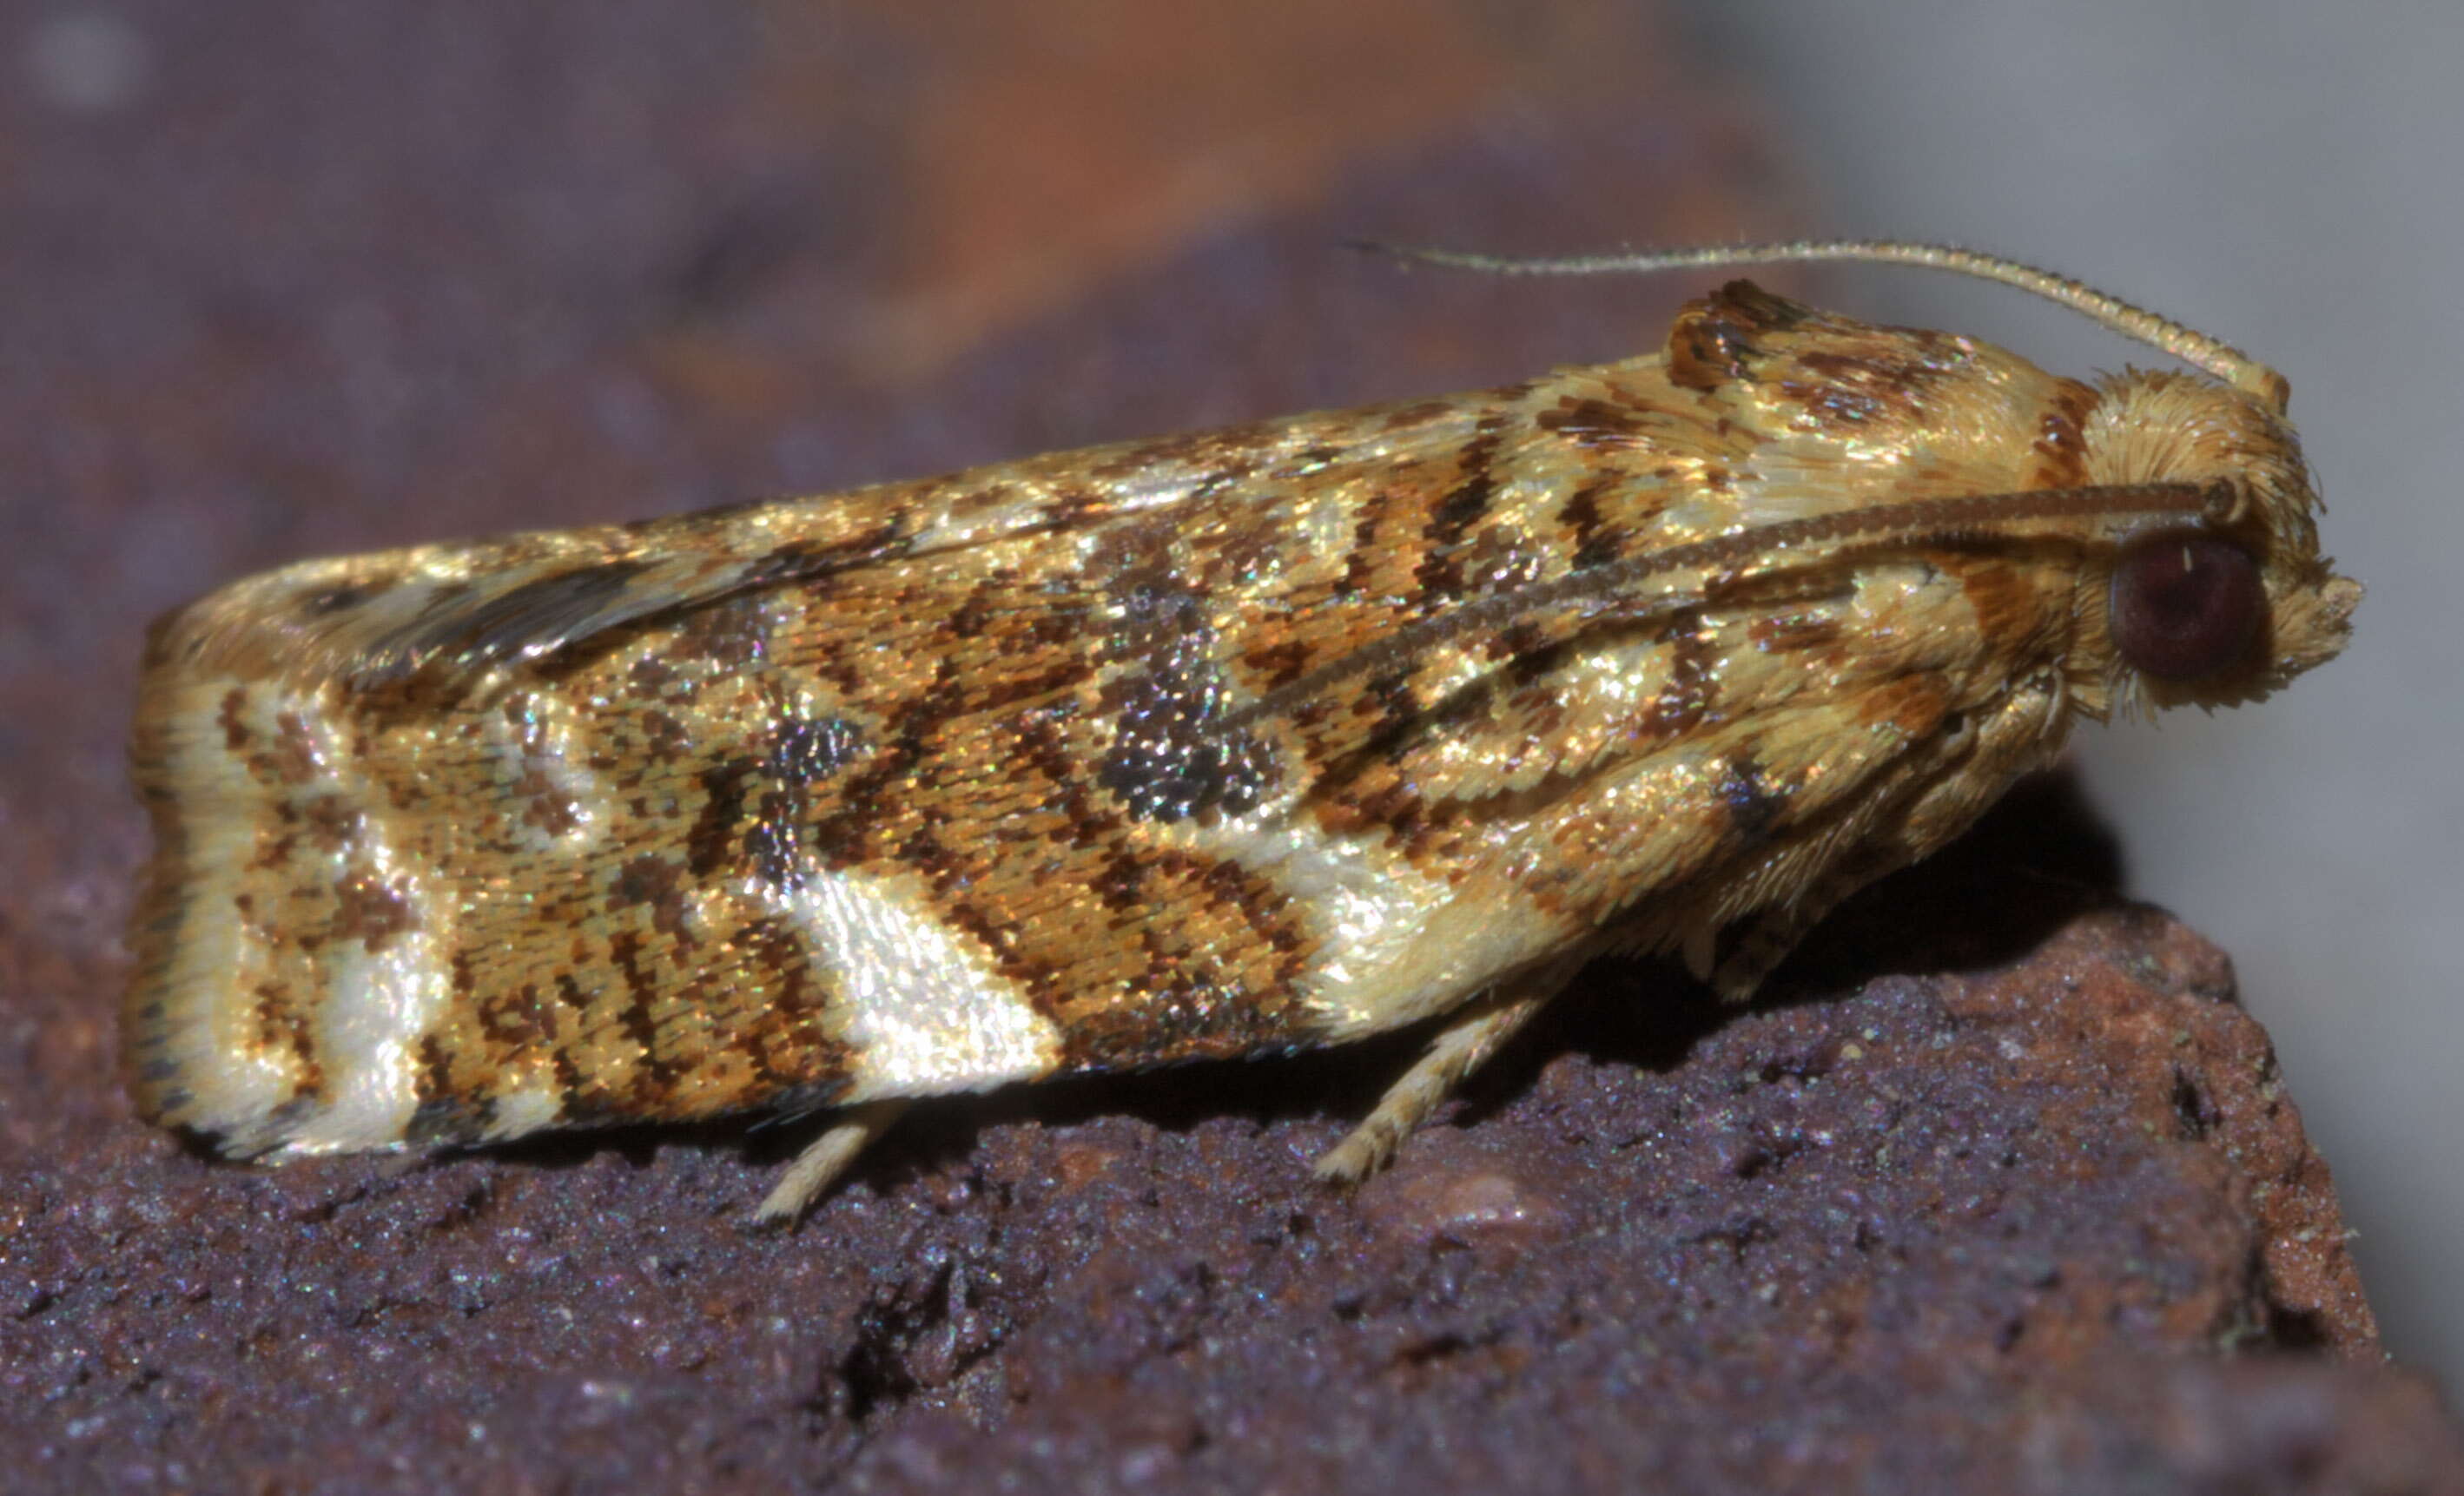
1996, 1192
2017, 1207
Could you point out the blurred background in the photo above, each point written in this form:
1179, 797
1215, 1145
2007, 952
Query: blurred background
2287, 177
288, 277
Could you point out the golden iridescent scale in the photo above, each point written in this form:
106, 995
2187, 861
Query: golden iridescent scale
1213, 745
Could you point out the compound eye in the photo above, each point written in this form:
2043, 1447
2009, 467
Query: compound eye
2186, 604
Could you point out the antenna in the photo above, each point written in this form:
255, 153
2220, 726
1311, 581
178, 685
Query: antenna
2216, 357
1937, 518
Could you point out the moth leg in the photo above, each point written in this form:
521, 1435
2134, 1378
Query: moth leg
1468, 1040
1772, 934
827, 1156
1767, 940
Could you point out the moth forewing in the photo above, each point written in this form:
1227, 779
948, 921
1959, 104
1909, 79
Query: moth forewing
1207, 746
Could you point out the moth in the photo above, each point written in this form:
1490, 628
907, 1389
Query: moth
1226, 745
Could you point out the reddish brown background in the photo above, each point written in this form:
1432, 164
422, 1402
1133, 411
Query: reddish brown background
282, 279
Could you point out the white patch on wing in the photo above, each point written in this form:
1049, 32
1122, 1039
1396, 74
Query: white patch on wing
370, 1010
377, 1005
233, 1083
919, 1003
518, 1111
1394, 944
537, 756
377, 1008
1325, 524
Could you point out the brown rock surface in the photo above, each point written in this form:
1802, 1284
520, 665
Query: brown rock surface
1996, 1192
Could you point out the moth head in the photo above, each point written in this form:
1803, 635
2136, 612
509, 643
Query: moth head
2214, 609
2227, 606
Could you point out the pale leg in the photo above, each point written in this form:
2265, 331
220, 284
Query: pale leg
825, 1157
1469, 1038
1771, 936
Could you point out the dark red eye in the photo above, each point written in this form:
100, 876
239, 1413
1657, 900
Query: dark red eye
2186, 604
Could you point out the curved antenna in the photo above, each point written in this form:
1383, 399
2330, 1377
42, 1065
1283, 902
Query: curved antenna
2192, 347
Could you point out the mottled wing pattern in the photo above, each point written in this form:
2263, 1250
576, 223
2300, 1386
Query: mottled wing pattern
939, 785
